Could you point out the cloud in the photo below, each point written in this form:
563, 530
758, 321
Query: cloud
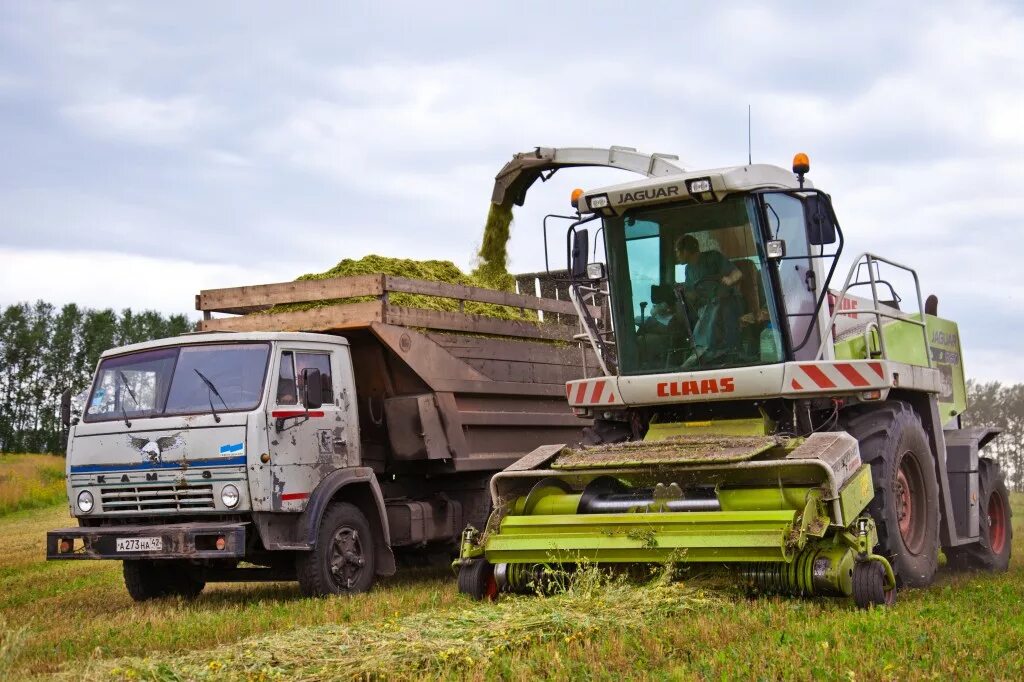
142, 119
101, 279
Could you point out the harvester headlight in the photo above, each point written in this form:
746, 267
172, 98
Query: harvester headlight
595, 270
85, 502
600, 201
775, 249
229, 495
699, 186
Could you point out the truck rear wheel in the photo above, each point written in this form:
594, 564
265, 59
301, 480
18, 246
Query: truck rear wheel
147, 579
342, 560
906, 502
992, 551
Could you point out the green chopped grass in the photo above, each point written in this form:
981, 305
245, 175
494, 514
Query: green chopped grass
74, 619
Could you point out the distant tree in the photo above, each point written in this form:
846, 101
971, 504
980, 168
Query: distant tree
993, 404
43, 352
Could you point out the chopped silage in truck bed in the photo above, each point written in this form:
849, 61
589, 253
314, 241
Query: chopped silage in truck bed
491, 273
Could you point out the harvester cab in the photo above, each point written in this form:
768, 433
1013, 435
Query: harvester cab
746, 413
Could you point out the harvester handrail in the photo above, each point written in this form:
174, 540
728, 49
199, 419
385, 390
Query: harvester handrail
870, 259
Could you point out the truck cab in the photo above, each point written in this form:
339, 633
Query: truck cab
197, 452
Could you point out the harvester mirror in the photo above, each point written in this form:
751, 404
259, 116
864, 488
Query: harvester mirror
312, 388
775, 249
580, 251
821, 229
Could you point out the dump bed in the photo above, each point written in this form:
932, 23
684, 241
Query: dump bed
439, 390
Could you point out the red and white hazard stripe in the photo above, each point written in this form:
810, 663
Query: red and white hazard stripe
588, 392
824, 377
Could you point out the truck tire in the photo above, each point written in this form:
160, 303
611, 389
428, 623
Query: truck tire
992, 551
905, 507
147, 580
342, 560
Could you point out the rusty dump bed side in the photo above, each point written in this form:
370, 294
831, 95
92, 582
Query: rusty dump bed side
438, 392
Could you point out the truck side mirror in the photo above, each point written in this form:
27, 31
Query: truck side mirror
312, 388
65, 409
821, 229
580, 251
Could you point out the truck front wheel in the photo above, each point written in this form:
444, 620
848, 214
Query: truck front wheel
147, 579
342, 560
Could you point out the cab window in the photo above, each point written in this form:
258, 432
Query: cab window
286, 392
322, 362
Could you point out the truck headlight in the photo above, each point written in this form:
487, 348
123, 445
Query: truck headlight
85, 502
229, 495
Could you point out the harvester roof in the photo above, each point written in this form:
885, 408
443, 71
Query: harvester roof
701, 185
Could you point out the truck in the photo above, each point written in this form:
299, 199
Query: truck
293, 440
749, 410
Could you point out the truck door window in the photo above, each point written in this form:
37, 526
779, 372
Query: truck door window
286, 392
322, 362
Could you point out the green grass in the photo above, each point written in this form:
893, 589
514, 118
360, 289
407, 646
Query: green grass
30, 481
74, 619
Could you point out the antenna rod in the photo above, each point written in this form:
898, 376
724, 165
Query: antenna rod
750, 157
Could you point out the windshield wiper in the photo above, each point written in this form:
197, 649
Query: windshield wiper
124, 413
212, 392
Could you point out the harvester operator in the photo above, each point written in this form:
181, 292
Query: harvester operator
712, 299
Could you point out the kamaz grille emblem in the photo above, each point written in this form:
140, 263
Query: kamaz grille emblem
153, 450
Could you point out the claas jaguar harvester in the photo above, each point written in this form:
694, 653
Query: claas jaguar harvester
746, 413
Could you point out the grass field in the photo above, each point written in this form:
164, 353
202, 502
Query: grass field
74, 620
30, 481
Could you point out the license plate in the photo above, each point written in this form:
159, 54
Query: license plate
140, 544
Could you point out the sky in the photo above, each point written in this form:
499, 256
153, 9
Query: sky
151, 150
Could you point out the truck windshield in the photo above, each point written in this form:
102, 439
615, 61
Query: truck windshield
164, 381
688, 289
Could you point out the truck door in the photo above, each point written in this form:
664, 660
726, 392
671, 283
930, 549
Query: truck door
305, 445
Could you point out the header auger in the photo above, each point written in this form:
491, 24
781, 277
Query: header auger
746, 413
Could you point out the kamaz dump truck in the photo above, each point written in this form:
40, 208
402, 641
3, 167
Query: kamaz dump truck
746, 412
259, 451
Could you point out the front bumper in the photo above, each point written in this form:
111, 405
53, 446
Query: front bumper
194, 540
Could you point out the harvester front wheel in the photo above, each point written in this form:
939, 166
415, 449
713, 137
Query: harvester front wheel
992, 551
906, 502
869, 585
476, 578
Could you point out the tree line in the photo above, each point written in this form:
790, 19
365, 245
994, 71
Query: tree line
1002, 406
45, 350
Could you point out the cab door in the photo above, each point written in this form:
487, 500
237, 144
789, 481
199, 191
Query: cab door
306, 443
785, 219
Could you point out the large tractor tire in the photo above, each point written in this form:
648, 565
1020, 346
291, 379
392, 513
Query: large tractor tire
342, 560
146, 579
905, 507
992, 551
